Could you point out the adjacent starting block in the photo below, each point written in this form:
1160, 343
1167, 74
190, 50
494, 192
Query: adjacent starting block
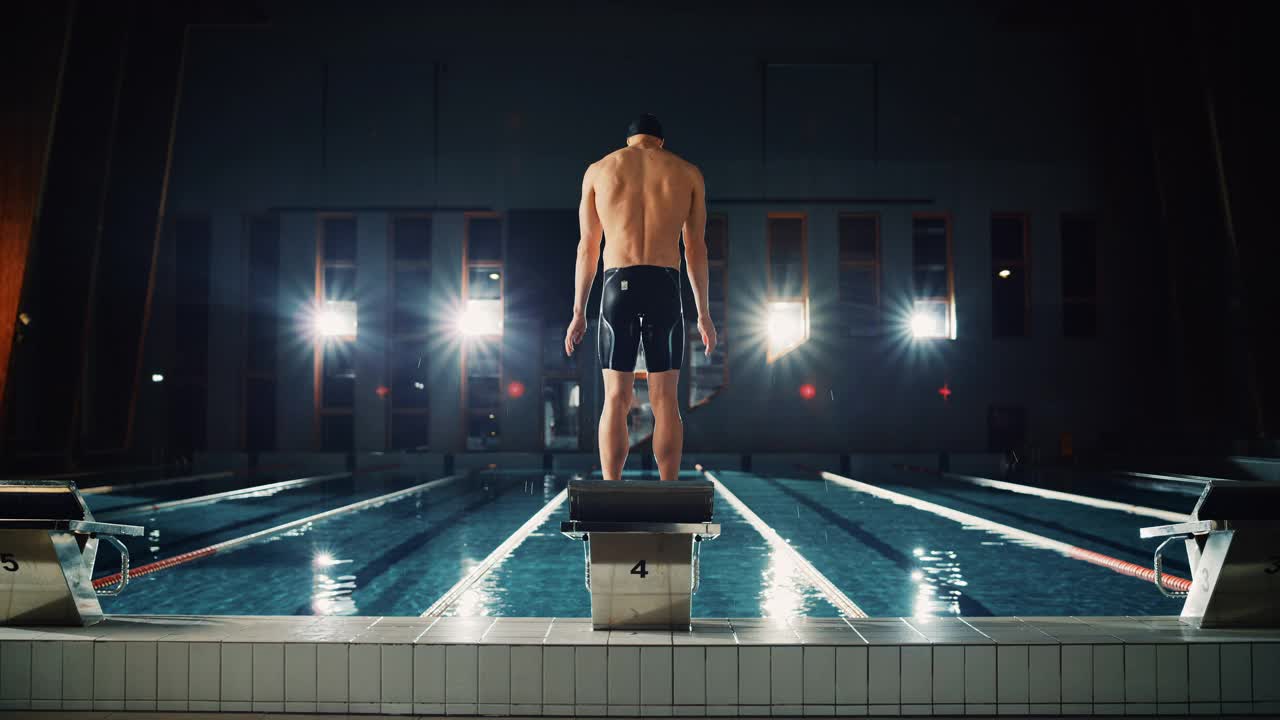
1233, 544
48, 544
641, 546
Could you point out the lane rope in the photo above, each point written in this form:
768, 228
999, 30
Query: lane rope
1166, 515
1009, 532
234, 543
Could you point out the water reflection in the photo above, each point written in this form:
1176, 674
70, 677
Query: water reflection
331, 593
938, 583
781, 593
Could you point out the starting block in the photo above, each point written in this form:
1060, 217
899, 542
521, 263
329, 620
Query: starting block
48, 544
641, 548
1233, 545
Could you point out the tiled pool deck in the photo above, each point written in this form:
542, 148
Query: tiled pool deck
560, 667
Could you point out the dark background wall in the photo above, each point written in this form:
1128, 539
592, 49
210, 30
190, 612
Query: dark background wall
292, 111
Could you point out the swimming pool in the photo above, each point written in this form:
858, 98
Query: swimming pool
398, 555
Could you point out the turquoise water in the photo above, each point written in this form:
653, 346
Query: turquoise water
398, 557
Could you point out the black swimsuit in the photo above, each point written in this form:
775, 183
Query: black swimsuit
641, 303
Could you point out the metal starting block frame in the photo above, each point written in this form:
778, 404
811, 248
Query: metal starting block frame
1233, 545
48, 544
641, 548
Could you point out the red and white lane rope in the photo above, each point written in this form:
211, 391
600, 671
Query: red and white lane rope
1100, 503
234, 543
1009, 532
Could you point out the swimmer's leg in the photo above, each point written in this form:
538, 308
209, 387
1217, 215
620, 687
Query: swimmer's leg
619, 388
668, 430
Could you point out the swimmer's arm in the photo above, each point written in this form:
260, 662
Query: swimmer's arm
588, 244
695, 245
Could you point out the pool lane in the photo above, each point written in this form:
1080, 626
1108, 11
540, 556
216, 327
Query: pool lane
896, 560
183, 529
741, 577
130, 499
1111, 532
1174, 496
393, 558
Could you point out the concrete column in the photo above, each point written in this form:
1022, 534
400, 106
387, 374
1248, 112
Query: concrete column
295, 351
445, 433
225, 413
372, 273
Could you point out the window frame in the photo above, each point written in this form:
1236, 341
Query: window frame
319, 344
499, 340
876, 265
770, 296
950, 297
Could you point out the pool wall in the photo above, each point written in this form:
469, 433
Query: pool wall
560, 667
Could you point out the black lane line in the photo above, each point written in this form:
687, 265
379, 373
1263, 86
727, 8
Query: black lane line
395, 554
1052, 525
969, 606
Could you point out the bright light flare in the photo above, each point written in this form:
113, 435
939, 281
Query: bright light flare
157, 377
786, 326
1005, 273
481, 318
336, 319
929, 320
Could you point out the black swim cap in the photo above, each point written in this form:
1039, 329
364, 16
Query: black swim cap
646, 124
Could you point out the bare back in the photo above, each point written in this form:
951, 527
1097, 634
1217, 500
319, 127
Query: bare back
643, 196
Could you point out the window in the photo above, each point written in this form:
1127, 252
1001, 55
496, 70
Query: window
1079, 277
259, 423
1010, 276
336, 331
933, 312
709, 375
787, 284
481, 328
859, 293
410, 295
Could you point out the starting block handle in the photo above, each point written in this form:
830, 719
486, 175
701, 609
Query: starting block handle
1158, 560
124, 568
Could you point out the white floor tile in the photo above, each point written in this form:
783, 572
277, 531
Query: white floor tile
1237, 672
77, 671
495, 674
1203, 679
1012, 668
820, 675
656, 671
461, 681
623, 675
237, 673
172, 671
786, 676
689, 676
332, 673
204, 676
1140, 673
526, 675
428, 675
557, 675
46, 670
1171, 673
916, 685
1108, 674
397, 674
753, 675
722, 676
591, 677
108, 673
979, 675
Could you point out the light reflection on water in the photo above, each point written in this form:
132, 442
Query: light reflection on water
782, 584
939, 583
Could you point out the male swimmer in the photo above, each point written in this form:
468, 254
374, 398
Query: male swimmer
641, 197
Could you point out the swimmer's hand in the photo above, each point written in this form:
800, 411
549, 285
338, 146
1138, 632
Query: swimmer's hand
708, 331
574, 334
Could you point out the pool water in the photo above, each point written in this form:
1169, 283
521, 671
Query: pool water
399, 556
